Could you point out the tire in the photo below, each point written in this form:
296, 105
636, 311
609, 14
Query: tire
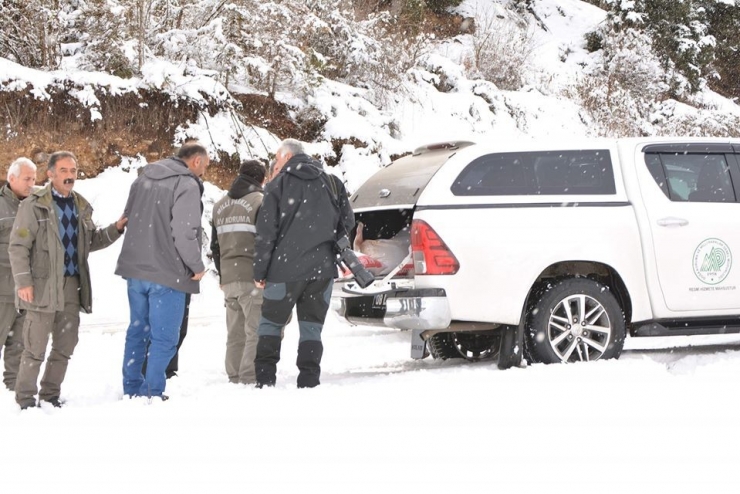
555, 330
469, 345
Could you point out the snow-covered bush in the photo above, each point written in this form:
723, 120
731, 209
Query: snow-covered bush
104, 28
724, 25
30, 31
624, 89
680, 36
502, 48
630, 92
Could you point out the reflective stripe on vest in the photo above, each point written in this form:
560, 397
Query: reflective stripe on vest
239, 227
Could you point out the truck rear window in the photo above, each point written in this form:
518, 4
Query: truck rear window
583, 172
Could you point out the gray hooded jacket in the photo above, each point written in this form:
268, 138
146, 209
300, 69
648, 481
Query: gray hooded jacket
163, 236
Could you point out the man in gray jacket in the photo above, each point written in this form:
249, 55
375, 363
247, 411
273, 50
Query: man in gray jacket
232, 245
21, 179
161, 262
53, 235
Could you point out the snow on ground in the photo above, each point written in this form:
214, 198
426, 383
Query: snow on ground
660, 419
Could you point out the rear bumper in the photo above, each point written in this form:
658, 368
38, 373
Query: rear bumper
422, 309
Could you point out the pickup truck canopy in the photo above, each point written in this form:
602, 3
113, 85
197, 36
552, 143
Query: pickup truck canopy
399, 185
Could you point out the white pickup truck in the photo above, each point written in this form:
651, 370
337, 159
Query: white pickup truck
555, 252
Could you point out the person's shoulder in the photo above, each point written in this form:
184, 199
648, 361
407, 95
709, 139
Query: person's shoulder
189, 181
274, 184
5, 193
41, 194
254, 193
81, 201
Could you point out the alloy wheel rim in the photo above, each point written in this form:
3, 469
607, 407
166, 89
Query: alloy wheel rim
579, 329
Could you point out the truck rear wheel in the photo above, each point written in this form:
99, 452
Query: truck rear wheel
470, 345
574, 320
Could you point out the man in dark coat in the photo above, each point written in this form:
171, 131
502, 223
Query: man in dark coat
303, 213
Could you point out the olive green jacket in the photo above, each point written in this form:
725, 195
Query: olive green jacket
8, 209
37, 255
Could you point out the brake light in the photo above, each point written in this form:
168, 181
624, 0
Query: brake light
431, 255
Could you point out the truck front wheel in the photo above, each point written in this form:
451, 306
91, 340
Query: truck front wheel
574, 320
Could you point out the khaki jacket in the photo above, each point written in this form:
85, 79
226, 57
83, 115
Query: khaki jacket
37, 255
233, 236
8, 209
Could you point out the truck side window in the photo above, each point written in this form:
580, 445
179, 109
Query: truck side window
695, 177
656, 170
538, 173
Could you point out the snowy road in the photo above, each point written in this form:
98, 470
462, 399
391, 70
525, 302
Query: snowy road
665, 418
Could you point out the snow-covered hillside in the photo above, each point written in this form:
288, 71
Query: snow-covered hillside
518, 75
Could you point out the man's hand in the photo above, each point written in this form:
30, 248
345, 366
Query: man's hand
26, 293
198, 276
260, 284
121, 224
359, 237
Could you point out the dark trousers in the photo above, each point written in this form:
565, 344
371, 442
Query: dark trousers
172, 367
311, 299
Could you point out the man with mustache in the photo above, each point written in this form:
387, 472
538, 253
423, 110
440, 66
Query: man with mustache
52, 236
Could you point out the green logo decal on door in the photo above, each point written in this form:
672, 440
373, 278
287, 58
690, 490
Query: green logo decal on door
712, 261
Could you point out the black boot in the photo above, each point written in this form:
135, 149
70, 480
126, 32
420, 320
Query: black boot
265, 362
309, 363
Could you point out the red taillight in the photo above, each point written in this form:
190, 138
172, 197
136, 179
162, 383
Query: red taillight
431, 254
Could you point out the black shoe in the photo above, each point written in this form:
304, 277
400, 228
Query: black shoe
26, 406
55, 402
264, 385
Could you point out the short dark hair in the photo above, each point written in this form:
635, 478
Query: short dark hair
59, 155
253, 169
190, 149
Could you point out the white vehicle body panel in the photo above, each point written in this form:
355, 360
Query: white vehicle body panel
504, 243
670, 248
494, 280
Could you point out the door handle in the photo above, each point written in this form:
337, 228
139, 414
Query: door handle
672, 222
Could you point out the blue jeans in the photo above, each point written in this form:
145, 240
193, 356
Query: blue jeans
156, 314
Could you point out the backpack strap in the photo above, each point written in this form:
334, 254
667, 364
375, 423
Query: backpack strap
333, 189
